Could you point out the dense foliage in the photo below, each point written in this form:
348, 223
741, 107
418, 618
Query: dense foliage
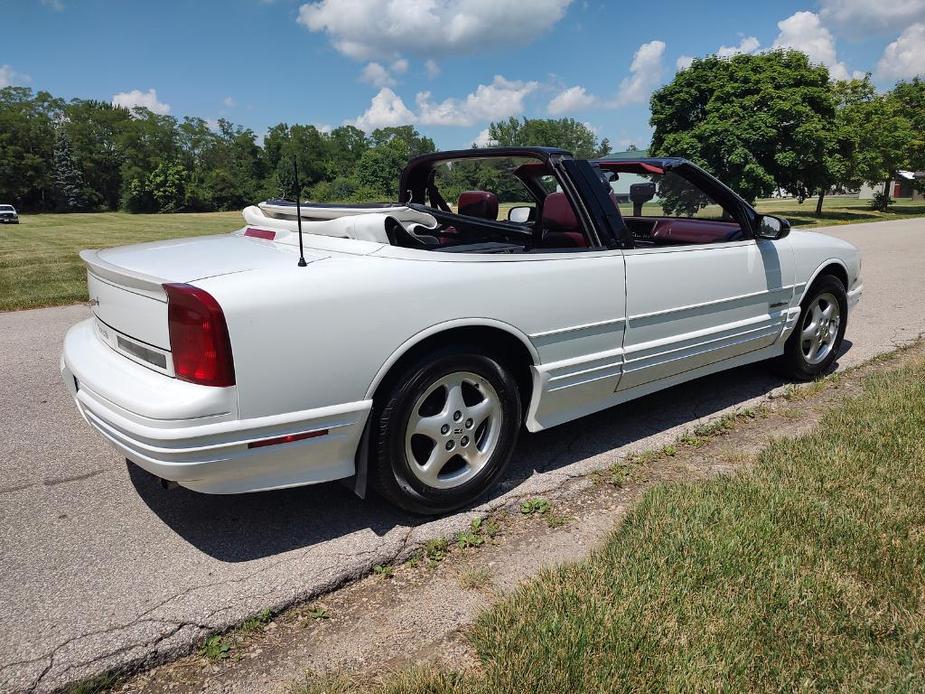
59, 155
774, 121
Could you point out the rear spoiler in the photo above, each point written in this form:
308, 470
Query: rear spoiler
136, 281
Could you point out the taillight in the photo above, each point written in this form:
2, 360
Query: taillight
198, 336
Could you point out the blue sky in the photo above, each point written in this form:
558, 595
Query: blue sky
448, 66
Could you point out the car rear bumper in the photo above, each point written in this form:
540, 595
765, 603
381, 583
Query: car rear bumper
211, 451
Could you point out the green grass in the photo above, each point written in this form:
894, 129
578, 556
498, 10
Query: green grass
806, 572
38, 257
838, 210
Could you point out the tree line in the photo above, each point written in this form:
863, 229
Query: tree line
83, 155
774, 121
762, 123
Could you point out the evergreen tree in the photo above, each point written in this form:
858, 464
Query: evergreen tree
70, 189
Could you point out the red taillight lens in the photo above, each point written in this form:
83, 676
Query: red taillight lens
198, 336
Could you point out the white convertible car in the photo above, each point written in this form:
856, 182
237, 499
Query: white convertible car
416, 339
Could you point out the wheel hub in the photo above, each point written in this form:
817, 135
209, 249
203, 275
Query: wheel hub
453, 429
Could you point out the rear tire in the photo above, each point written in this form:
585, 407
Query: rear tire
445, 431
814, 344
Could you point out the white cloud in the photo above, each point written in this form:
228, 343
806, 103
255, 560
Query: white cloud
748, 44
213, 124
367, 29
432, 68
483, 139
570, 100
136, 97
500, 99
683, 62
377, 75
861, 17
385, 109
645, 74
56, 5
9, 77
229, 102
803, 31
905, 57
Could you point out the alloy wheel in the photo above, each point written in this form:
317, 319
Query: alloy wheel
820, 328
453, 430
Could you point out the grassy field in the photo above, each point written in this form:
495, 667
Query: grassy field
38, 257
838, 210
805, 573
39, 264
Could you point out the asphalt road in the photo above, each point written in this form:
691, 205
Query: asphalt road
101, 567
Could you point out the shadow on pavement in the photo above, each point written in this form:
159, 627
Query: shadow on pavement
249, 526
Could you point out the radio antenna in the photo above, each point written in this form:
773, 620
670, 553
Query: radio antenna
298, 211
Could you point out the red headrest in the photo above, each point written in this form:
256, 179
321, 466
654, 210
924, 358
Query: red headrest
478, 203
558, 214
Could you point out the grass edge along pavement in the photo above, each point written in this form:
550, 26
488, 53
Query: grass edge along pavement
806, 571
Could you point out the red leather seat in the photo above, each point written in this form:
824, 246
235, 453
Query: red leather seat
478, 203
560, 226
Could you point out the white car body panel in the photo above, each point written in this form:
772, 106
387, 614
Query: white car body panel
312, 344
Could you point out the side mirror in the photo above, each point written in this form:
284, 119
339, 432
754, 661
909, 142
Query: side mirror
640, 194
771, 227
521, 215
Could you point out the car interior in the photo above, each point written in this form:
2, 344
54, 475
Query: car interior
666, 209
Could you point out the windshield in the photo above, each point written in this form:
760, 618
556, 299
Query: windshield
6, 208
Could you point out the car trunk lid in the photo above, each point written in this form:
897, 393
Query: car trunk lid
126, 290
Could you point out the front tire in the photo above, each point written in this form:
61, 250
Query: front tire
446, 431
814, 344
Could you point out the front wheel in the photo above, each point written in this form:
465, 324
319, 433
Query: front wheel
446, 431
815, 342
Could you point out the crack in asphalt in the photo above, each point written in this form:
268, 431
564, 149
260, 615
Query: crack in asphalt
53, 482
320, 589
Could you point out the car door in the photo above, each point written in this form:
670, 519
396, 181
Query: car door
700, 289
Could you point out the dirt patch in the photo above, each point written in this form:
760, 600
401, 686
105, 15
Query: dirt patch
418, 611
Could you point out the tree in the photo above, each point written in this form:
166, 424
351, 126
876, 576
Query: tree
94, 128
379, 169
167, 185
343, 148
841, 159
71, 191
566, 133
406, 138
27, 136
910, 97
886, 140
758, 122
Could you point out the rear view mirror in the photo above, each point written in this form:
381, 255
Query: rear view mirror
521, 215
771, 227
640, 194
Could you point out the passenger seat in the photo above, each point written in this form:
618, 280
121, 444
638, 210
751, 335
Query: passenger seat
478, 203
560, 226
